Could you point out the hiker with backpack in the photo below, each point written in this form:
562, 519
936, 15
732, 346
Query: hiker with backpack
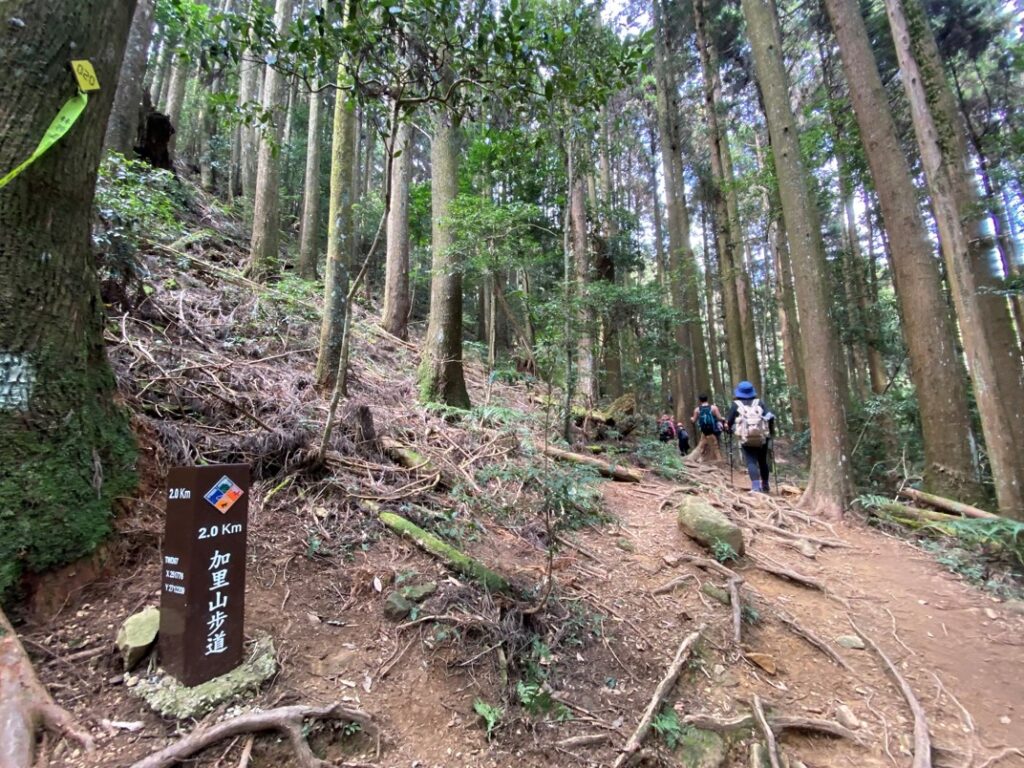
666, 428
707, 419
753, 423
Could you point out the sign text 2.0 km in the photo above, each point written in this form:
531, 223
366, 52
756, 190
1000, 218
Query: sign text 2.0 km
202, 604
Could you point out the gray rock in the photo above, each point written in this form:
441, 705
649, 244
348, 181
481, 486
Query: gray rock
707, 526
716, 593
417, 593
397, 607
172, 699
136, 636
701, 749
846, 717
851, 641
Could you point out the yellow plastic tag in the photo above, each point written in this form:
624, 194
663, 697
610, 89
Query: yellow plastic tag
85, 75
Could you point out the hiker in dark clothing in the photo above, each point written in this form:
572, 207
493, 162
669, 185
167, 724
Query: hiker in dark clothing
707, 418
684, 439
753, 423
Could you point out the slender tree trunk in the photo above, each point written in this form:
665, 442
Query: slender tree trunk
709, 300
180, 71
586, 359
993, 358
441, 377
339, 234
161, 70
610, 320
124, 117
250, 84
265, 245
309, 239
667, 387
396, 271
830, 488
690, 352
66, 450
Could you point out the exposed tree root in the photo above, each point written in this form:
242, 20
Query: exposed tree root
286, 720
922, 741
814, 640
779, 724
834, 543
25, 705
667, 682
735, 581
769, 735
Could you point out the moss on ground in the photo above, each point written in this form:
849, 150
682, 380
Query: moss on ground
455, 559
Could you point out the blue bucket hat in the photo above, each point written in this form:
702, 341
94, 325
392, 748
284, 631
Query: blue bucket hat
745, 391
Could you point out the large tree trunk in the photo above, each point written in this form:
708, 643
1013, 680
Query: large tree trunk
395, 317
935, 367
667, 387
789, 326
585, 357
680, 257
66, 451
993, 357
829, 489
440, 377
339, 235
726, 234
610, 339
124, 115
310, 234
266, 214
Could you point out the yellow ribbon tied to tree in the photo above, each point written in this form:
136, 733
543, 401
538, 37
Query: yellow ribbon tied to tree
66, 117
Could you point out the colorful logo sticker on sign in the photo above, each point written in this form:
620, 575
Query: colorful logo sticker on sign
224, 494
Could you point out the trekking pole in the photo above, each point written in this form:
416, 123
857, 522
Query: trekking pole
732, 484
775, 471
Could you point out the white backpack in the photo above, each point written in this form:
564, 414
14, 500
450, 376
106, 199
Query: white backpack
751, 425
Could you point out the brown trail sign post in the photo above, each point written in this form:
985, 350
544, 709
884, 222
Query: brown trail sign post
202, 598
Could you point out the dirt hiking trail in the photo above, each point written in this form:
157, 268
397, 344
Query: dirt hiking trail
639, 586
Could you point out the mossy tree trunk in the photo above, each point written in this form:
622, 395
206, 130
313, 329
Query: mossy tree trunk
830, 488
993, 357
936, 368
339, 234
66, 451
441, 377
266, 213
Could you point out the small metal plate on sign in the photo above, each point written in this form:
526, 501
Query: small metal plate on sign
223, 494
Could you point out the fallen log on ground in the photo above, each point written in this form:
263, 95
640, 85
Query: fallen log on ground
289, 721
922, 740
947, 505
25, 705
666, 684
452, 557
614, 471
